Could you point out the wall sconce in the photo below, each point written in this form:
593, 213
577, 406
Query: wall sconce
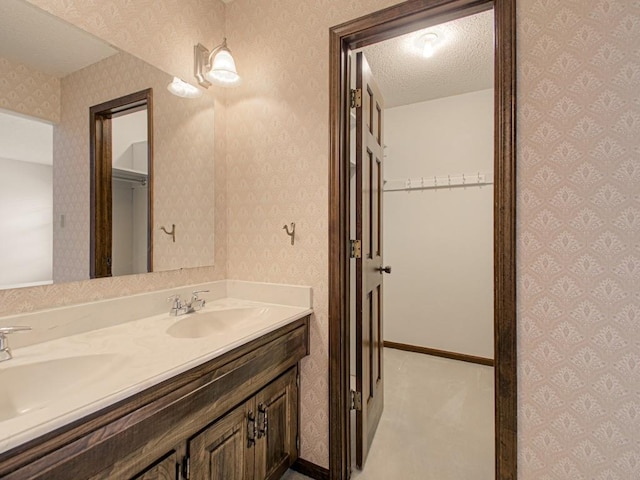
216, 67
180, 88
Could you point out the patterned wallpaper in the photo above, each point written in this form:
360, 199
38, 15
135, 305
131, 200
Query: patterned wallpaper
183, 173
28, 91
579, 257
277, 156
578, 209
165, 36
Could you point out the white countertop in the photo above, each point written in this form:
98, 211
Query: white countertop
117, 362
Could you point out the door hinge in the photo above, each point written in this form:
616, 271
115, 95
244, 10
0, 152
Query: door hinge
356, 401
355, 249
186, 468
356, 98
297, 443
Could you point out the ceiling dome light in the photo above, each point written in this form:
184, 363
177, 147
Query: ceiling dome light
180, 88
427, 44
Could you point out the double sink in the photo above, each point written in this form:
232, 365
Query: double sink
49, 384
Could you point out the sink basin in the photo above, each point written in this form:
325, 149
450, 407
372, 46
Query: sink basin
32, 386
204, 324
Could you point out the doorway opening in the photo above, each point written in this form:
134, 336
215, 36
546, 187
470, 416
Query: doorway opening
121, 160
384, 25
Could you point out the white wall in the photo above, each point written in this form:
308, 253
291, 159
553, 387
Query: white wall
127, 131
440, 241
26, 233
130, 221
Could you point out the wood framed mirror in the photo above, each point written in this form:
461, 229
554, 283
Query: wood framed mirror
121, 172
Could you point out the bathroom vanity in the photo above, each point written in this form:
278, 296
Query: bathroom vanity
208, 395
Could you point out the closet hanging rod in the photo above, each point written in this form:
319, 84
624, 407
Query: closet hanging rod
439, 181
137, 181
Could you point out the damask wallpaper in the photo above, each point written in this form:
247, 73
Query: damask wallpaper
579, 257
28, 91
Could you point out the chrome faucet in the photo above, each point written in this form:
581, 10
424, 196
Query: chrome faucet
5, 351
178, 307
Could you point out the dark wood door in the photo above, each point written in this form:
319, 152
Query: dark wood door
226, 449
166, 469
277, 427
369, 341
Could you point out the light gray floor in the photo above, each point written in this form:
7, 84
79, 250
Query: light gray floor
437, 422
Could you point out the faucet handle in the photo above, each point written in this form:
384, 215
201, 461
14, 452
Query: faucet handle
198, 292
177, 301
5, 351
197, 303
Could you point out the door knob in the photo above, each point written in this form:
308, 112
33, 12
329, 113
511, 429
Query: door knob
386, 269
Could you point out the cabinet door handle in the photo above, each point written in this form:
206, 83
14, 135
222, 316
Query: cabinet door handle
262, 420
251, 430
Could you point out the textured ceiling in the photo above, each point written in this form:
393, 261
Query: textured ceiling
461, 63
34, 38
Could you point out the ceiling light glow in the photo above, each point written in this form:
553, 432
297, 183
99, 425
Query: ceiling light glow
427, 44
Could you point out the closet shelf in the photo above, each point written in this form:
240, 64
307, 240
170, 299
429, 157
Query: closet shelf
128, 175
439, 181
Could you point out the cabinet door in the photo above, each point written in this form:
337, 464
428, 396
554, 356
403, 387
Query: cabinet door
166, 469
225, 450
277, 426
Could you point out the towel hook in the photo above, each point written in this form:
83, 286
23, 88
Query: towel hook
171, 233
291, 233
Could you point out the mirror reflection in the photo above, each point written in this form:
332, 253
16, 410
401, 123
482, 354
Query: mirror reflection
51, 75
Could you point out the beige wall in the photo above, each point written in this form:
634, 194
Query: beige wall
163, 35
578, 209
28, 91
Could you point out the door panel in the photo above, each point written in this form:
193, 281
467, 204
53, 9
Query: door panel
277, 427
369, 342
224, 451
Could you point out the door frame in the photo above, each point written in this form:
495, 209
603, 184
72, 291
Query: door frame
383, 25
100, 163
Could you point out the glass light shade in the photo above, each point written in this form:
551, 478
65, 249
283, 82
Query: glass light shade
183, 89
427, 44
223, 69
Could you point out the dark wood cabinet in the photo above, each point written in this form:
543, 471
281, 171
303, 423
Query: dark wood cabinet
165, 469
277, 427
256, 441
232, 418
221, 451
